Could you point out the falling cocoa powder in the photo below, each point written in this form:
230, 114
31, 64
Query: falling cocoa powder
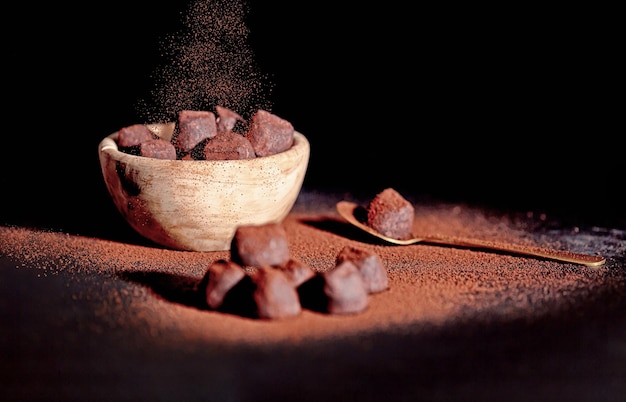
208, 62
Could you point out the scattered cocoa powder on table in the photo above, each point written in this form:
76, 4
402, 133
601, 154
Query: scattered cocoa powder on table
151, 290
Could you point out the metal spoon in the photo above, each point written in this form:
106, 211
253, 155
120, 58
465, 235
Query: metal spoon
347, 210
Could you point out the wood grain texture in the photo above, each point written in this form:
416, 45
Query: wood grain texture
197, 205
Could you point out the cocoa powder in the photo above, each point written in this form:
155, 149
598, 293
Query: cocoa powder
154, 290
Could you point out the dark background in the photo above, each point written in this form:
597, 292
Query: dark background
509, 107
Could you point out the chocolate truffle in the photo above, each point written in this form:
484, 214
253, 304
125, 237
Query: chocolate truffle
228, 145
275, 295
297, 271
157, 148
345, 289
269, 134
227, 119
370, 267
134, 135
193, 127
259, 245
390, 214
221, 276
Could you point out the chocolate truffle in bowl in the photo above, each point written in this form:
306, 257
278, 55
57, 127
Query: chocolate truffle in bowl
194, 203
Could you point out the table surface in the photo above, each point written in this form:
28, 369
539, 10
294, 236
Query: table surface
88, 316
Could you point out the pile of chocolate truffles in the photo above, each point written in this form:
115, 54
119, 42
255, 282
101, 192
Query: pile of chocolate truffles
205, 135
279, 286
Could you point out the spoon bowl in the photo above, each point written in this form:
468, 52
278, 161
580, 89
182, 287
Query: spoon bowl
353, 213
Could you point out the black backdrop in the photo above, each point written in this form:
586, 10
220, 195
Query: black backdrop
506, 107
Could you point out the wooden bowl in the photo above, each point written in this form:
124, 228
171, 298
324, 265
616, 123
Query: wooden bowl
197, 205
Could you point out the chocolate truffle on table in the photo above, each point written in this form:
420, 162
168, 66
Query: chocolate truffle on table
220, 278
345, 289
297, 271
259, 245
269, 134
390, 214
228, 145
275, 294
193, 127
370, 267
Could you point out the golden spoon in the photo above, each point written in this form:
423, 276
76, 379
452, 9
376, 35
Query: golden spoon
346, 210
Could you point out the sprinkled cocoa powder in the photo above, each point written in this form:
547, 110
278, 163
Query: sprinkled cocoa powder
153, 290
105, 319
208, 62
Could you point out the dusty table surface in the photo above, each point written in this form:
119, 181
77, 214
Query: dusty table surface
85, 317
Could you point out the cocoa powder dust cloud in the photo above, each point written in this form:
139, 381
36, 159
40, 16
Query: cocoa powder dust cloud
208, 62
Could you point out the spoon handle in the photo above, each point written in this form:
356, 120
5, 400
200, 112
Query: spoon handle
535, 251
347, 210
